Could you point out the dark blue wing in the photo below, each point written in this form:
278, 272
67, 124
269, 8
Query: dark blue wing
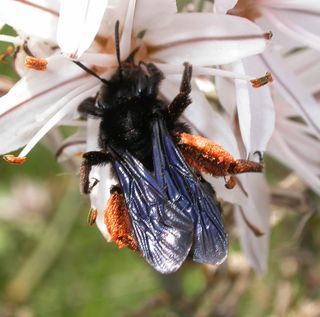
172, 213
163, 231
210, 240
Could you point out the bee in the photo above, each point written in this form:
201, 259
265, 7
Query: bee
162, 206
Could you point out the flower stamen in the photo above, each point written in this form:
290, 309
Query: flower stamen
261, 81
7, 53
92, 216
35, 63
18, 160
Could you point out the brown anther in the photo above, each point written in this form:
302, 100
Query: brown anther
14, 159
268, 35
264, 80
35, 63
7, 53
92, 216
231, 183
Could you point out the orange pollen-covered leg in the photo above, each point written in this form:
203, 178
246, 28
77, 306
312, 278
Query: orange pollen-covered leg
204, 155
118, 223
209, 157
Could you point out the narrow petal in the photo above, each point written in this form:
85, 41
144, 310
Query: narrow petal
261, 108
279, 149
101, 192
312, 5
34, 99
201, 116
302, 26
125, 42
72, 147
222, 6
147, 11
243, 107
78, 25
292, 90
204, 39
35, 18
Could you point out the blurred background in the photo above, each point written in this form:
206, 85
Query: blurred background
52, 263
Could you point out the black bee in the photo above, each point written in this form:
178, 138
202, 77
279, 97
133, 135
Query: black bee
162, 206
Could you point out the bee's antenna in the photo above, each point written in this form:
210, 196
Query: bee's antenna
91, 72
117, 43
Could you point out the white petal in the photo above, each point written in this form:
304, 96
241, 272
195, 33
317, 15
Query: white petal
101, 192
204, 39
125, 41
293, 91
72, 147
243, 107
147, 11
33, 100
78, 25
201, 116
303, 27
312, 5
279, 149
222, 6
261, 107
35, 18
116, 11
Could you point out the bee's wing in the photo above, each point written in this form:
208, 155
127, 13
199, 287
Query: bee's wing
171, 171
164, 233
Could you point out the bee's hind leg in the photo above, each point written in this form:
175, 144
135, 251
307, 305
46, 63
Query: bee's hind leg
209, 157
117, 220
90, 159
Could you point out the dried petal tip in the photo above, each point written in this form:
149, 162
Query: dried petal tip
35, 63
259, 82
14, 159
92, 216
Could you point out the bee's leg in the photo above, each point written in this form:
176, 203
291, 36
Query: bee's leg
117, 220
182, 100
208, 157
90, 159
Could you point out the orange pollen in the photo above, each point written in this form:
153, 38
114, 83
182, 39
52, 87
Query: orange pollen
261, 81
92, 216
14, 159
35, 63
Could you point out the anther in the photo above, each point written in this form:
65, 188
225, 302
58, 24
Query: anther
7, 53
261, 81
14, 159
92, 216
35, 63
230, 183
268, 35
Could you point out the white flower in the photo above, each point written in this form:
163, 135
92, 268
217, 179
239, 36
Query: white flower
42, 100
291, 142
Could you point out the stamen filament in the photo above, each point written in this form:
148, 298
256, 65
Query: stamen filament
206, 71
16, 40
